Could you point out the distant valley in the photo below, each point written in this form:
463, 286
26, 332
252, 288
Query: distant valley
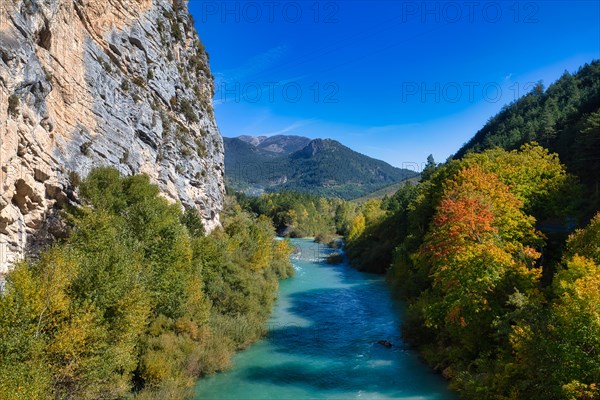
258, 164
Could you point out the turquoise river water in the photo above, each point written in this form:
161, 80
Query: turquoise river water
322, 342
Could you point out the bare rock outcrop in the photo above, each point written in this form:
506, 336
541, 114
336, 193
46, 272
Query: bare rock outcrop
88, 83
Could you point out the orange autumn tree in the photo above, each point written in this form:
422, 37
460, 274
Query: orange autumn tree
478, 251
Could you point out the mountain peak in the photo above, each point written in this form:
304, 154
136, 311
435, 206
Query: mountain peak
253, 140
316, 146
281, 144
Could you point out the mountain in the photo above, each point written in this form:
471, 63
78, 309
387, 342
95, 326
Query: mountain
277, 144
565, 118
84, 84
320, 166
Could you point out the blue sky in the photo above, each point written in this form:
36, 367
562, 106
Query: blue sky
396, 80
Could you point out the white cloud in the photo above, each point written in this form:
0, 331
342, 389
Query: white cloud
252, 66
291, 127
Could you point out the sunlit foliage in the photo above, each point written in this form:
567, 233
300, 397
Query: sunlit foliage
487, 306
136, 301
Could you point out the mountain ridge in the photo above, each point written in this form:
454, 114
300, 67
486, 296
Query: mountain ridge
257, 164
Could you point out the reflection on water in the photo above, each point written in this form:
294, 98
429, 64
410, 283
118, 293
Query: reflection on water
322, 342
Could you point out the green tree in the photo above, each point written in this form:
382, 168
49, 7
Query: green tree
429, 168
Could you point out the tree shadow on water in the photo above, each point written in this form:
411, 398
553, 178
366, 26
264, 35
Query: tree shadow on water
337, 318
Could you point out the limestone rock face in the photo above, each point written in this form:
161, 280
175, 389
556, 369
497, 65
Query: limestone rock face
88, 83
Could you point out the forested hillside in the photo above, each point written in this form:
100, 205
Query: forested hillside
564, 118
322, 167
136, 300
339, 171
501, 299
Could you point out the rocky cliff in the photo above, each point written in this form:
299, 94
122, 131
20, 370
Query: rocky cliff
87, 83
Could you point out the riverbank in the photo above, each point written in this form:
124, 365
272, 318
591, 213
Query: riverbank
322, 342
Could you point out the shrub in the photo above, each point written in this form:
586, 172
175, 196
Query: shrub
193, 223
125, 157
85, 148
74, 179
47, 74
201, 149
176, 31
188, 111
186, 151
138, 80
105, 65
181, 133
200, 47
13, 105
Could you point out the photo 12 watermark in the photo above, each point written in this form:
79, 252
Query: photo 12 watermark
274, 92
257, 172
469, 91
254, 12
413, 166
452, 12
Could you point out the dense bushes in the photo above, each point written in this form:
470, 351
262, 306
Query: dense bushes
378, 228
302, 215
496, 300
136, 300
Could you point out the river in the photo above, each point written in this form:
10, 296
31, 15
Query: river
322, 342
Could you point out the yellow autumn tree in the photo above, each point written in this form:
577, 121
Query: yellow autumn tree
357, 227
558, 348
